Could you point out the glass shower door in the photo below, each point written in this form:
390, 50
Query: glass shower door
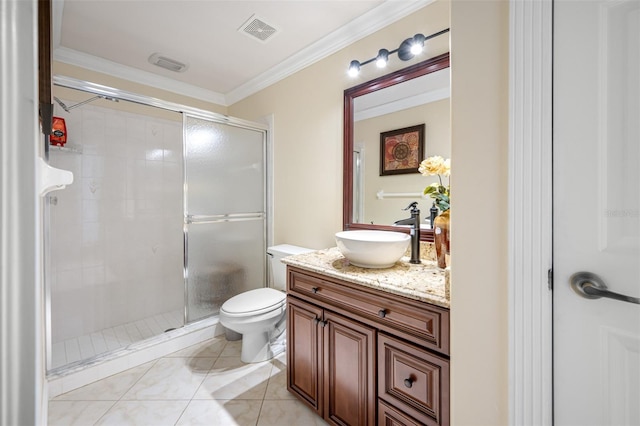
225, 223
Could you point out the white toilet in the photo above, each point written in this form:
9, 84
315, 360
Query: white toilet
259, 315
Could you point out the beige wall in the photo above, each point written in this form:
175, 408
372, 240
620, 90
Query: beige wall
479, 114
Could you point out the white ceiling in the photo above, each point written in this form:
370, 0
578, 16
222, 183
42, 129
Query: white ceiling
418, 91
225, 65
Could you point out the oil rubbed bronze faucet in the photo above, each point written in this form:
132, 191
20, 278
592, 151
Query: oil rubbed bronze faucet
414, 221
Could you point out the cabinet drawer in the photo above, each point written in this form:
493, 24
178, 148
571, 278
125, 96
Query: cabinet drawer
389, 416
414, 380
396, 313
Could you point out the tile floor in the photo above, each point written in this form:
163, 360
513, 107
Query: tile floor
205, 384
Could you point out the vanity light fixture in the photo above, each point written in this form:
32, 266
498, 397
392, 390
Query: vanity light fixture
408, 49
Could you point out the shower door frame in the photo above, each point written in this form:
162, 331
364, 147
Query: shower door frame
190, 220
99, 89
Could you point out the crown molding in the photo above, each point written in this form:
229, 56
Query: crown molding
372, 21
402, 104
94, 63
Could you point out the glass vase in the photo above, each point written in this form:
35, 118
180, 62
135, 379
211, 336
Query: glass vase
441, 237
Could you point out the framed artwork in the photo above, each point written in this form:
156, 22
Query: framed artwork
402, 150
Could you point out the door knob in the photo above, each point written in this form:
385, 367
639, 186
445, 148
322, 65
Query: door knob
591, 286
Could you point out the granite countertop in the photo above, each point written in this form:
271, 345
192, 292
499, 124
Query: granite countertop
425, 282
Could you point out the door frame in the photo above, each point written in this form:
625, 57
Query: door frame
22, 360
530, 233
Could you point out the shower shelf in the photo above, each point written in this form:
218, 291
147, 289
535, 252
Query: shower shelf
76, 149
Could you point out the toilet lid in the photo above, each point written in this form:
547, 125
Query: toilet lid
253, 302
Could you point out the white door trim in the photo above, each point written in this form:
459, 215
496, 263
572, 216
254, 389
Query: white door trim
530, 212
23, 399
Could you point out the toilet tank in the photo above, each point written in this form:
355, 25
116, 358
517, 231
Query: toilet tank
280, 269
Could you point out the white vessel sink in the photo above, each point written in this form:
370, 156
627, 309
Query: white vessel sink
372, 249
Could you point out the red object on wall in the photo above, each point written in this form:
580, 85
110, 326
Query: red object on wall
58, 132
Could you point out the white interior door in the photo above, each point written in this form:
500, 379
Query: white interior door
596, 140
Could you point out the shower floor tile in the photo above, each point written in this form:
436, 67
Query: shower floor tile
203, 384
112, 339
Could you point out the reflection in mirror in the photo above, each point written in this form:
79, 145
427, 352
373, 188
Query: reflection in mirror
410, 97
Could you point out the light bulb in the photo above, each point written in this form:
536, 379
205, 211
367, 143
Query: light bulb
382, 58
354, 68
418, 44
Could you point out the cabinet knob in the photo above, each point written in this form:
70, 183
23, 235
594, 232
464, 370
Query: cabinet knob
408, 382
317, 321
382, 313
314, 289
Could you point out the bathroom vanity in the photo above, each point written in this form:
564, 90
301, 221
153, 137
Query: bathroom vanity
368, 346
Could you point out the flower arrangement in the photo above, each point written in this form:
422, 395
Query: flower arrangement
437, 166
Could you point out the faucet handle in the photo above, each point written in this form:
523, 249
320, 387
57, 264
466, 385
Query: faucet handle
412, 206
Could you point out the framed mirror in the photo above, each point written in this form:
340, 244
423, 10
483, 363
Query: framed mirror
404, 99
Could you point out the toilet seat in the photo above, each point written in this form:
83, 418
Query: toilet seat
253, 302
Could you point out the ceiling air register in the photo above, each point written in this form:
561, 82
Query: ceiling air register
257, 28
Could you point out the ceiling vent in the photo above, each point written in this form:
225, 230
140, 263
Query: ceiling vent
167, 63
258, 29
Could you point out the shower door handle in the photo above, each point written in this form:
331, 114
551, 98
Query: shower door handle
591, 286
228, 217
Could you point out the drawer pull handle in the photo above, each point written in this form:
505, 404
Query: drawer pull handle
408, 382
382, 313
316, 321
323, 323
314, 289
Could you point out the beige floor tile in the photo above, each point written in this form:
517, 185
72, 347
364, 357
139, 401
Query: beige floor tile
232, 348
230, 378
277, 386
142, 413
221, 413
190, 387
109, 389
171, 378
76, 413
211, 348
287, 412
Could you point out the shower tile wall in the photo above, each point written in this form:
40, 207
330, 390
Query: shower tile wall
116, 239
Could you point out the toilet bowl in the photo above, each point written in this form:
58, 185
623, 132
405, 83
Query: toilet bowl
260, 315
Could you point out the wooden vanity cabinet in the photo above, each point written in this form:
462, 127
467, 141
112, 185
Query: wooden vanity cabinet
360, 356
331, 364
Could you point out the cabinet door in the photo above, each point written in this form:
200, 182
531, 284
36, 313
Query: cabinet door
304, 351
349, 366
